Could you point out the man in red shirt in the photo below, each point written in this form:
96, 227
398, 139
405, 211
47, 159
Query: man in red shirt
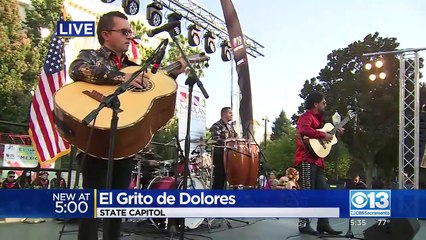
311, 167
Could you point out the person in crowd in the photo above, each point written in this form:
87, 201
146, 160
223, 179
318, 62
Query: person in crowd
10, 182
42, 181
25, 179
58, 182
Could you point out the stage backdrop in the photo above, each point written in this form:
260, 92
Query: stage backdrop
198, 115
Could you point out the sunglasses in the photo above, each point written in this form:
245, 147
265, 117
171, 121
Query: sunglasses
124, 31
11, 176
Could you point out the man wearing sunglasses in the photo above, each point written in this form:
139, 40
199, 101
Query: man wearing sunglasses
10, 181
102, 66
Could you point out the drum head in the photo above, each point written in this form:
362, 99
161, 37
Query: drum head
162, 183
193, 183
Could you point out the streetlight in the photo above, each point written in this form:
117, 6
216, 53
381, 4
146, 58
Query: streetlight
266, 120
336, 118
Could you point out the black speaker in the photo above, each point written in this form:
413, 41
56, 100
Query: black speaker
395, 229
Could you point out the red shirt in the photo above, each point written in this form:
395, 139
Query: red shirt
307, 124
118, 61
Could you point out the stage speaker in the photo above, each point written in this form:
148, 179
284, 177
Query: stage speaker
395, 229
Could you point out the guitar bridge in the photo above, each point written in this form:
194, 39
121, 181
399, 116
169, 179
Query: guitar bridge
97, 96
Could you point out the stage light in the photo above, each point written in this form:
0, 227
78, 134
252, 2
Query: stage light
194, 35
107, 1
173, 17
368, 66
226, 51
209, 44
379, 64
376, 69
153, 14
131, 7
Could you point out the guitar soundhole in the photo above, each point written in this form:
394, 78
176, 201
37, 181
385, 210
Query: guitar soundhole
146, 89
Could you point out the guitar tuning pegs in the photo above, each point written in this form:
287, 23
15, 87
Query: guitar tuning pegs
206, 65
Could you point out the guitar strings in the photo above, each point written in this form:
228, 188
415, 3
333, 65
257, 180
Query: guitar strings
131, 88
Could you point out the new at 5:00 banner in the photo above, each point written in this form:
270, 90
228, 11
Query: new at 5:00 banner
210, 203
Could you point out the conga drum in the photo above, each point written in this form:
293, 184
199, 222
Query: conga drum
237, 161
254, 166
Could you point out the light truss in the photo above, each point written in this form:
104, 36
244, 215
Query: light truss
409, 110
198, 15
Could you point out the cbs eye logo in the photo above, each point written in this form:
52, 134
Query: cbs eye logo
359, 200
370, 199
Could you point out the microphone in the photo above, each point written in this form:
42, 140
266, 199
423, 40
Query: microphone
159, 57
349, 107
166, 27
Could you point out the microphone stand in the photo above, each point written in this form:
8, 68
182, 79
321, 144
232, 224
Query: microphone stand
190, 81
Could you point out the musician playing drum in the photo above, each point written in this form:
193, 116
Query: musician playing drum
220, 131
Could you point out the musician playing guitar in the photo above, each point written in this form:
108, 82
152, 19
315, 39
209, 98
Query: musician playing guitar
310, 166
102, 67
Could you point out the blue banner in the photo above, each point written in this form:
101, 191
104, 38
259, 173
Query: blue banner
17, 203
210, 203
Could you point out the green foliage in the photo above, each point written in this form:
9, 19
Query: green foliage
140, 30
166, 135
281, 126
42, 14
174, 54
17, 67
340, 153
280, 152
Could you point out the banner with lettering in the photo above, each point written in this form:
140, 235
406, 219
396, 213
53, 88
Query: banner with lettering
198, 115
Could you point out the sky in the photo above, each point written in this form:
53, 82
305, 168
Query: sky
298, 36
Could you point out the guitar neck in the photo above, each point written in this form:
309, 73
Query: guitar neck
340, 125
171, 67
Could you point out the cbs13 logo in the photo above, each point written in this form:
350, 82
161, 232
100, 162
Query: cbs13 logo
370, 199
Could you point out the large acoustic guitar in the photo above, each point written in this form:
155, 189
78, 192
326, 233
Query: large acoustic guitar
142, 112
321, 148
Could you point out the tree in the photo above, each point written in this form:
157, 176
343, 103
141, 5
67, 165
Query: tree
343, 162
281, 126
166, 135
140, 30
174, 53
280, 152
17, 67
42, 14
345, 82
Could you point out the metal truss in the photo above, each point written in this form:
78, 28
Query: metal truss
198, 15
409, 121
409, 110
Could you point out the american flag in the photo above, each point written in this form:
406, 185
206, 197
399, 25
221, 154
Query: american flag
45, 138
